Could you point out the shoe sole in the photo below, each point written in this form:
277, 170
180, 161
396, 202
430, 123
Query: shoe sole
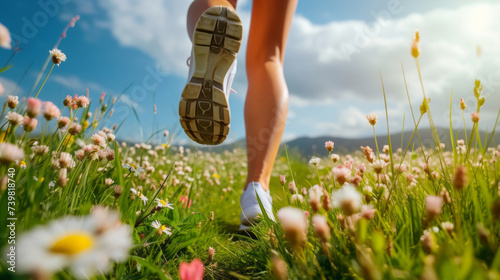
204, 108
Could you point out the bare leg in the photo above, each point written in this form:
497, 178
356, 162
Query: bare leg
266, 105
199, 6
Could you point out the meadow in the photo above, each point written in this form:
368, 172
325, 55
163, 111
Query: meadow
79, 203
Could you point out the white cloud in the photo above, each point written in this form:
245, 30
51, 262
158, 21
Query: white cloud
340, 61
10, 87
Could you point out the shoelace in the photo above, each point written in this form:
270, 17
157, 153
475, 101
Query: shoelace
188, 63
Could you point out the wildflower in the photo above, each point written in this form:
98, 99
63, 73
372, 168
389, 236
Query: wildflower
329, 146
50, 111
372, 118
448, 226
378, 165
294, 223
5, 39
164, 204
460, 142
34, 107
445, 195
282, 180
475, 117
63, 177
315, 194
211, 253
415, 45
433, 205
321, 227
161, 228
52, 184
79, 243
335, 157
341, 174
117, 191
428, 242
297, 197
12, 101
108, 181
110, 137
40, 149
400, 168
185, 201
140, 195
82, 101
462, 104
66, 160
368, 152
367, 212
314, 161
460, 178
385, 149
14, 118
292, 187
348, 199
57, 56
98, 140
29, 124
191, 271
63, 122
74, 129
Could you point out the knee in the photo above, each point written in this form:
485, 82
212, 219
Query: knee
259, 57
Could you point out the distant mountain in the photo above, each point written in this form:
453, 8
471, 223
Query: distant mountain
311, 146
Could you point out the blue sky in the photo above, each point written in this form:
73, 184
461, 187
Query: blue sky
336, 50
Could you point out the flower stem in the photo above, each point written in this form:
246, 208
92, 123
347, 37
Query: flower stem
40, 89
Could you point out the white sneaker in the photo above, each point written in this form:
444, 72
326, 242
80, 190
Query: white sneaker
204, 107
250, 208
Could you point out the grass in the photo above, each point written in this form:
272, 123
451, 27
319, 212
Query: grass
407, 237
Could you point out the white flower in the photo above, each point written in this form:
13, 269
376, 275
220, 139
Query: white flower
10, 153
81, 243
161, 228
294, 223
297, 197
14, 118
140, 195
57, 56
347, 198
314, 161
162, 203
52, 184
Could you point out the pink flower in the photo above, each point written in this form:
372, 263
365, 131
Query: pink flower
341, 173
5, 37
63, 122
321, 227
292, 187
282, 180
2, 89
368, 212
34, 107
50, 111
29, 124
82, 101
191, 271
184, 200
475, 117
433, 205
102, 97
329, 146
361, 167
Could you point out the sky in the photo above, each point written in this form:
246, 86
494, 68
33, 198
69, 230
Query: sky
336, 53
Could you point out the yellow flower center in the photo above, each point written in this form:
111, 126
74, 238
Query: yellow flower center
164, 145
163, 202
216, 175
163, 227
72, 244
23, 162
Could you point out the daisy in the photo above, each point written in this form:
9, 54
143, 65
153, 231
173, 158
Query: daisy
161, 228
86, 245
162, 203
140, 195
